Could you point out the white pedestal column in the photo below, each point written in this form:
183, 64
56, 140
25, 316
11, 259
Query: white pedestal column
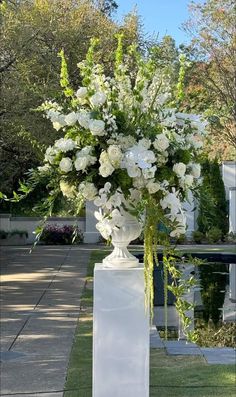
91, 234
232, 210
120, 334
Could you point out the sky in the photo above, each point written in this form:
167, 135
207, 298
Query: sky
159, 16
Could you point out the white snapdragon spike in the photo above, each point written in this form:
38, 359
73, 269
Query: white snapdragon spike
161, 142
88, 190
84, 119
65, 145
66, 164
179, 169
67, 190
97, 127
98, 99
71, 118
81, 93
195, 170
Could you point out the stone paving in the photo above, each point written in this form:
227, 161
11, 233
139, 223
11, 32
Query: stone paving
39, 311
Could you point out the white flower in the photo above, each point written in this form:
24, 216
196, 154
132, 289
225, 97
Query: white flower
106, 169
195, 170
161, 142
81, 163
145, 143
84, 119
114, 201
104, 227
187, 181
88, 190
65, 145
117, 218
50, 154
153, 186
66, 164
133, 171
71, 118
179, 169
180, 219
172, 202
115, 155
84, 159
81, 93
67, 190
98, 99
149, 173
44, 168
97, 127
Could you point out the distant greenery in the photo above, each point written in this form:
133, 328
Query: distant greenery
213, 212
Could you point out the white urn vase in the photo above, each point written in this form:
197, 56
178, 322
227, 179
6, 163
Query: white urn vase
121, 238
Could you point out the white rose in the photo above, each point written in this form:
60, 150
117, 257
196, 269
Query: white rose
71, 118
65, 145
115, 155
161, 142
67, 190
81, 93
98, 99
88, 190
97, 127
153, 187
106, 169
179, 169
44, 168
149, 173
196, 170
66, 164
50, 154
81, 163
133, 171
84, 119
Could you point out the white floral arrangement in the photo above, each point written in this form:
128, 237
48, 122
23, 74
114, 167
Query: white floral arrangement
123, 143
125, 146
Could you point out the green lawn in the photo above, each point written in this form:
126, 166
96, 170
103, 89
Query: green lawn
178, 376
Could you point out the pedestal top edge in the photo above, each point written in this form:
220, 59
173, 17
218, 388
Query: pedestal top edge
101, 266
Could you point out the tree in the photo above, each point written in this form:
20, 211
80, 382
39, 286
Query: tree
32, 34
213, 30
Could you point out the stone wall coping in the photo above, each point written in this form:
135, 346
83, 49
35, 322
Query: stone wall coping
232, 188
229, 162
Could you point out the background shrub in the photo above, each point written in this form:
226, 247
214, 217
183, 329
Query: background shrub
56, 234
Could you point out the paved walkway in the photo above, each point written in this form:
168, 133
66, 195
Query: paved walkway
39, 310
212, 355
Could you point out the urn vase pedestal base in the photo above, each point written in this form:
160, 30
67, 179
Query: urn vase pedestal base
120, 333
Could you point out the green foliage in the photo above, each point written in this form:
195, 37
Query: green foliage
214, 235
220, 335
198, 236
212, 202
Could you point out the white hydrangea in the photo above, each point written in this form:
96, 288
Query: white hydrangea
179, 169
50, 154
66, 164
97, 127
149, 173
153, 186
65, 145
